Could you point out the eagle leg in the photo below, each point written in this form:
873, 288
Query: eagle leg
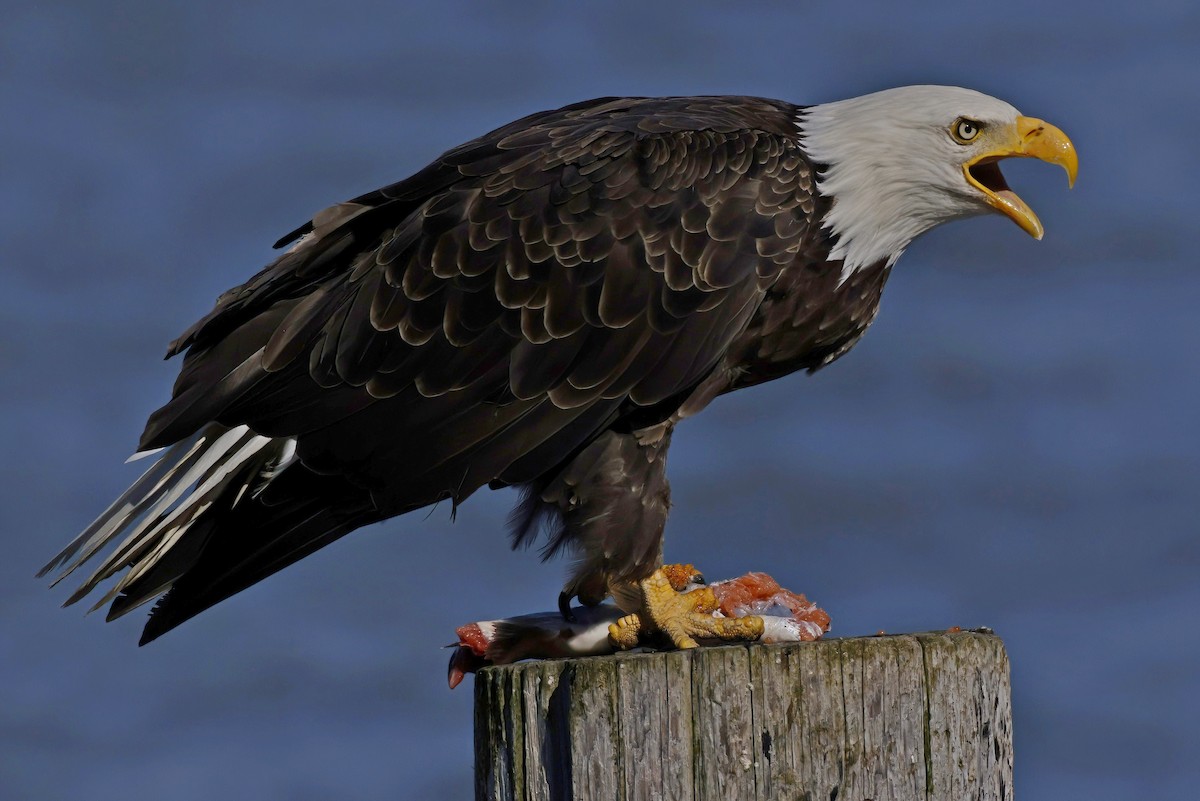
681, 616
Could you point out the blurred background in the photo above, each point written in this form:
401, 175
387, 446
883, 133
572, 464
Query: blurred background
1014, 444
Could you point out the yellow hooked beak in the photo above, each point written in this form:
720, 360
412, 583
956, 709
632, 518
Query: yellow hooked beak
1030, 138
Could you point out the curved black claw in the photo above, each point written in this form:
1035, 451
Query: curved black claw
564, 607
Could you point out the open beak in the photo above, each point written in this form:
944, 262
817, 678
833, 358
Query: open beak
1030, 138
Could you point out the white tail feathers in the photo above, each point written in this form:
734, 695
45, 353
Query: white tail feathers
137, 457
160, 507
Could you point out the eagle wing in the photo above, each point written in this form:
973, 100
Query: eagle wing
483, 319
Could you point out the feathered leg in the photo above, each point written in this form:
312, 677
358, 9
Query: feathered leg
610, 505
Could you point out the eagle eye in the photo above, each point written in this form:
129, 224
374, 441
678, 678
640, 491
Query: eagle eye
965, 130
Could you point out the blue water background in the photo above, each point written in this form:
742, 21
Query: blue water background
1014, 444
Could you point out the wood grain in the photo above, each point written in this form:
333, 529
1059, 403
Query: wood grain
894, 718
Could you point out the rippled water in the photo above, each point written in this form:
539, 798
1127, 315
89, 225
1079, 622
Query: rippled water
1014, 444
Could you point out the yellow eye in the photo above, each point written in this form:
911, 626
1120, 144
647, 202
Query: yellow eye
965, 130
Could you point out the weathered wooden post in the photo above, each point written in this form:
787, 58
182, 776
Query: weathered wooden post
915, 716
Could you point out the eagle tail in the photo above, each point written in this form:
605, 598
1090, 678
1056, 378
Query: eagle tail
162, 505
207, 491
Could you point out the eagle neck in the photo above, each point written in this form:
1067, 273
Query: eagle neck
872, 217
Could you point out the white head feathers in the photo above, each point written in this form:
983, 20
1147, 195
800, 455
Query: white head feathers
892, 166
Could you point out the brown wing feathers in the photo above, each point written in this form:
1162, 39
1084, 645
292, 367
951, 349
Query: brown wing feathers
528, 239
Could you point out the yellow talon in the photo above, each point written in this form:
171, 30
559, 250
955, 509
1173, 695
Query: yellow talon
625, 632
681, 616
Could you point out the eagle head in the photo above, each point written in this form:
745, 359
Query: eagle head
899, 162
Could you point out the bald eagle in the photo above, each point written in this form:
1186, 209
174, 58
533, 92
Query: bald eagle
539, 308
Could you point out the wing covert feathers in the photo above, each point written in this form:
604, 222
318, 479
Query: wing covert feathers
541, 258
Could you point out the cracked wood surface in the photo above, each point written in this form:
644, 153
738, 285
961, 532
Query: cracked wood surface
912, 716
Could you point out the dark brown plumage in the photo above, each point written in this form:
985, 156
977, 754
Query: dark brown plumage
537, 307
